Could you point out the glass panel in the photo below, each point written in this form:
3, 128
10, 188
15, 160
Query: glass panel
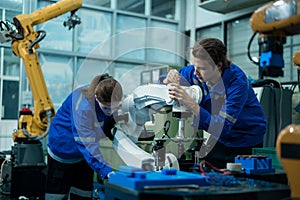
58, 36
137, 6
165, 9
94, 31
88, 69
212, 31
11, 4
163, 42
239, 33
103, 3
9, 15
10, 100
151, 73
130, 38
58, 73
296, 39
131, 76
11, 65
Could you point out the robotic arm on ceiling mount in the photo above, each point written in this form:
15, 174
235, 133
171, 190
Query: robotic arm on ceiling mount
274, 22
139, 107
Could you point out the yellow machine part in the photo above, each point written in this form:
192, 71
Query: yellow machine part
288, 151
287, 25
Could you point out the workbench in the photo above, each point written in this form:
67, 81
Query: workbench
249, 189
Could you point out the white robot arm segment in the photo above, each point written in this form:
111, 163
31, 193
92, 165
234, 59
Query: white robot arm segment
140, 105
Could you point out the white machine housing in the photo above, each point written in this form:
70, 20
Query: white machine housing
140, 105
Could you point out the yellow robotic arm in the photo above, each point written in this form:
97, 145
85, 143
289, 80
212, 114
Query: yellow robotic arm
274, 22
288, 148
280, 17
24, 44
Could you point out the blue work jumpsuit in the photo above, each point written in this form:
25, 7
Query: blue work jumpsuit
73, 147
230, 112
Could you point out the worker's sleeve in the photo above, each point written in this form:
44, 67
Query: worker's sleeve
87, 134
227, 112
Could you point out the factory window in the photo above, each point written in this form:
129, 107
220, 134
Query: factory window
152, 74
10, 99
102, 3
10, 14
214, 31
10, 79
163, 44
131, 75
238, 35
12, 4
11, 63
88, 68
137, 6
165, 9
9, 66
94, 32
58, 73
58, 36
130, 38
296, 40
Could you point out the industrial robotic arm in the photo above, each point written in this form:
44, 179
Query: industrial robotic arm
274, 22
139, 107
27, 152
25, 39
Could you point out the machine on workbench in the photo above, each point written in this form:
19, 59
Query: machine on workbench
139, 108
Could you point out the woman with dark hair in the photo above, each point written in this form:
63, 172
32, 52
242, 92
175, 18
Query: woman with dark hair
85, 117
229, 110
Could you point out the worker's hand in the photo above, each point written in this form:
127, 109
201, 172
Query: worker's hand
172, 77
176, 92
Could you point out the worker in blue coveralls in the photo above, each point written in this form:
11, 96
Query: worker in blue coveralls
85, 117
229, 111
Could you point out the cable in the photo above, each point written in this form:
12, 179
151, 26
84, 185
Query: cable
203, 173
1, 170
166, 129
41, 36
3, 23
49, 120
248, 48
